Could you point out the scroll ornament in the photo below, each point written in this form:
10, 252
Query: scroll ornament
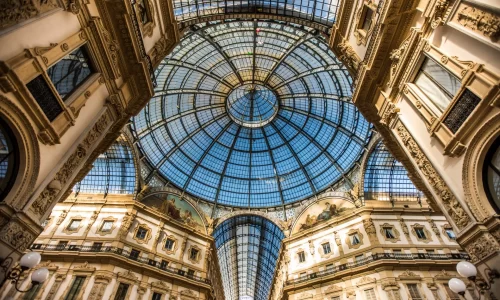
453, 207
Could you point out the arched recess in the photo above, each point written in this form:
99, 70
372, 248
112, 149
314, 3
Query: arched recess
28, 154
248, 248
386, 179
472, 173
113, 172
321, 211
178, 207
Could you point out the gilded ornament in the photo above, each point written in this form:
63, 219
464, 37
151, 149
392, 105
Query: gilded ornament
476, 19
64, 47
444, 59
453, 207
349, 56
87, 94
482, 247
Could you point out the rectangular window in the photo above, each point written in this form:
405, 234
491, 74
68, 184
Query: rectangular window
388, 233
367, 18
419, 231
163, 264
414, 292
303, 274
134, 254
41, 91
169, 244
141, 233
326, 248
156, 296
70, 72
96, 246
430, 251
359, 258
75, 288
451, 234
106, 226
437, 83
143, 12
329, 267
31, 294
302, 256
190, 273
355, 239
370, 294
194, 254
74, 225
121, 293
336, 298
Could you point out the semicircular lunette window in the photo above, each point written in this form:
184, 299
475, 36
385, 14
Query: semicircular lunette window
387, 179
251, 114
113, 172
9, 159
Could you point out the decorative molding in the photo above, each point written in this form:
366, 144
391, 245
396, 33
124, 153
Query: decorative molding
428, 237
148, 234
333, 289
366, 280
477, 19
16, 235
61, 217
51, 192
395, 232
361, 35
66, 227
17, 11
174, 247
99, 229
127, 221
349, 56
389, 114
198, 254
370, 230
453, 207
348, 239
483, 246
92, 220
407, 274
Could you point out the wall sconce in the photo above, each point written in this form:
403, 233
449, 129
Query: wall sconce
28, 261
467, 269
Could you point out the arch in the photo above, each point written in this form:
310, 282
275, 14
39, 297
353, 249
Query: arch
385, 178
152, 192
29, 154
281, 224
472, 175
113, 172
318, 12
316, 207
248, 248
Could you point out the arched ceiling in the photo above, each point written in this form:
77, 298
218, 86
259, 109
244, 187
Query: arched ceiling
318, 11
251, 114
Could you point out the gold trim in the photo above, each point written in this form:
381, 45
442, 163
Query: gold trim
174, 247
198, 254
146, 238
428, 237
348, 239
99, 229
66, 227
394, 231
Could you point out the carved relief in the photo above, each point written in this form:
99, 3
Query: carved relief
404, 227
16, 235
59, 278
362, 32
127, 221
13, 12
349, 56
477, 19
389, 114
482, 247
354, 239
49, 195
450, 202
439, 13
370, 230
159, 50
393, 236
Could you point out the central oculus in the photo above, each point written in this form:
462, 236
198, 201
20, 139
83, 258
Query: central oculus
252, 105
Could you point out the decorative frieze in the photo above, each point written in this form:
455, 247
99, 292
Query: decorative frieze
349, 56
13, 12
16, 235
453, 207
51, 192
480, 20
483, 246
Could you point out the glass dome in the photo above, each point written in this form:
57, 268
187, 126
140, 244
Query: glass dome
251, 114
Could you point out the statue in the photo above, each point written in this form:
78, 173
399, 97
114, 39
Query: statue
128, 219
369, 227
61, 218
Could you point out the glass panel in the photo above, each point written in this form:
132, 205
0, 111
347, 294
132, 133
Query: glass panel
74, 224
31, 294
113, 172
370, 294
156, 296
70, 72
141, 233
75, 288
249, 151
420, 233
121, 293
169, 244
387, 179
388, 233
107, 226
491, 174
355, 239
414, 292
143, 11
438, 84
8, 159
41, 91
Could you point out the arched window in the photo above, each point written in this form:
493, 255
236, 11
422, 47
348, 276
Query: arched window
9, 159
387, 179
113, 172
491, 175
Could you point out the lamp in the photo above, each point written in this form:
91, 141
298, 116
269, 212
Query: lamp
469, 270
27, 261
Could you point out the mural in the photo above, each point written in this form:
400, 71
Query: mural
176, 208
322, 211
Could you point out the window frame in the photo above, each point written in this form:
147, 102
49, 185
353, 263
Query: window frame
147, 236
485, 167
174, 249
13, 173
361, 34
350, 239
394, 231
68, 230
301, 255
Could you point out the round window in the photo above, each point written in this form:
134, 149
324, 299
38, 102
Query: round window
491, 175
9, 159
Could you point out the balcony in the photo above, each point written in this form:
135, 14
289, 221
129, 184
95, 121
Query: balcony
120, 252
377, 257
